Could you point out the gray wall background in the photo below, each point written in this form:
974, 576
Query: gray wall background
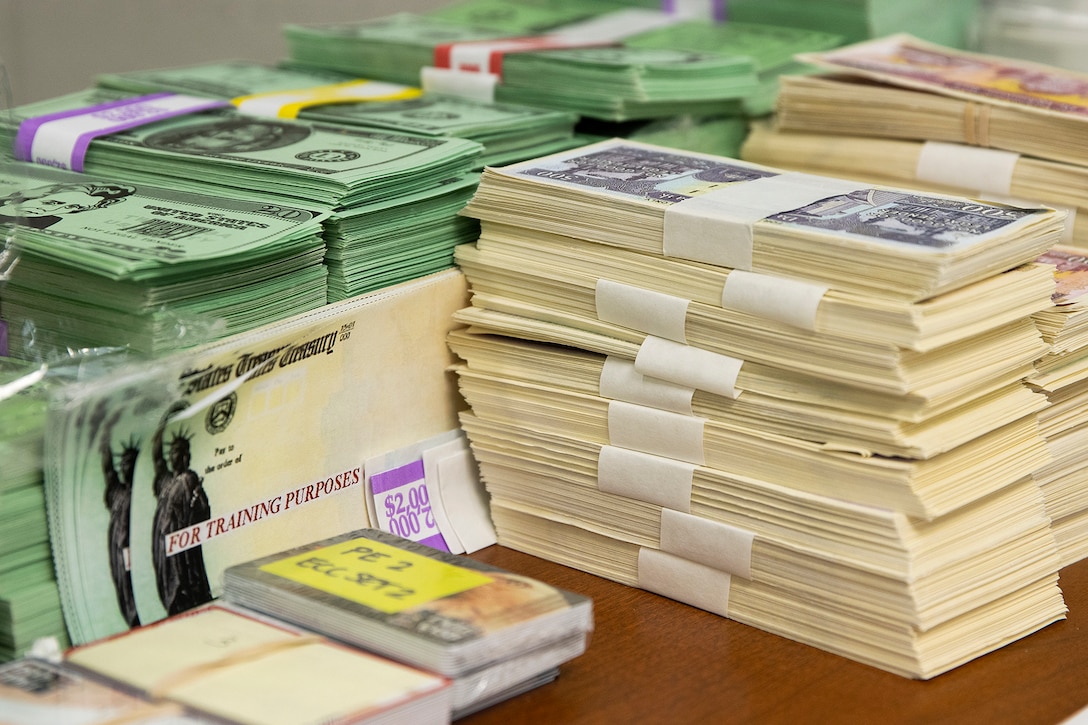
51, 47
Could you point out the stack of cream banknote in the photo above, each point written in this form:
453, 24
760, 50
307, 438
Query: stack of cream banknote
794, 401
1062, 374
361, 180
901, 111
599, 60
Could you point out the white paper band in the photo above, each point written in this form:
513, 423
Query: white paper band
473, 86
656, 431
613, 27
620, 381
641, 476
789, 301
685, 581
689, 366
640, 309
724, 547
717, 227
972, 168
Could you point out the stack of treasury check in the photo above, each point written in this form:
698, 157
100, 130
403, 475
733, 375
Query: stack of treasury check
791, 400
900, 111
361, 179
29, 600
601, 60
159, 474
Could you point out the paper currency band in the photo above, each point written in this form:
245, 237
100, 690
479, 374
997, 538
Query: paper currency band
288, 104
657, 432
473, 86
61, 139
454, 64
645, 477
185, 675
654, 313
976, 124
621, 381
711, 543
971, 168
718, 227
688, 366
685, 581
461, 495
789, 301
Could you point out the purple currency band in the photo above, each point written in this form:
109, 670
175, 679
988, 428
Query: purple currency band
435, 542
396, 477
719, 9
28, 129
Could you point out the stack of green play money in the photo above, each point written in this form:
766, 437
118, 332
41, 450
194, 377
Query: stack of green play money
637, 64
107, 264
29, 601
507, 132
948, 22
284, 165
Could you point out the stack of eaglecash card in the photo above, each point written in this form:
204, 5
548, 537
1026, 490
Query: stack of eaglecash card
106, 264
622, 65
507, 132
393, 195
902, 111
794, 401
1063, 375
494, 633
29, 600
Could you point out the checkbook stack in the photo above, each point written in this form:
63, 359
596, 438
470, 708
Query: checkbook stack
770, 395
898, 110
365, 180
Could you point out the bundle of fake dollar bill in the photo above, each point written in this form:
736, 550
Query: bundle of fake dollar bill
108, 264
635, 64
507, 132
273, 162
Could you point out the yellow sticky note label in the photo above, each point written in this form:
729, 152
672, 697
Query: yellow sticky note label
377, 575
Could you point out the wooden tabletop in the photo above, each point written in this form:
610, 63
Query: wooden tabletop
654, 660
